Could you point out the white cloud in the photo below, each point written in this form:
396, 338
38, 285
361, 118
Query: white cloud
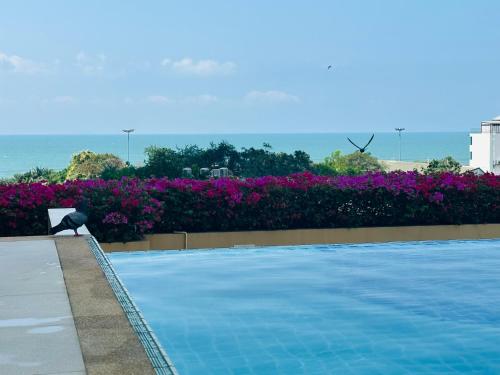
200, 67
18, 64
59, 100
271, 96
202, 99
64, 99
159, 99
90, 64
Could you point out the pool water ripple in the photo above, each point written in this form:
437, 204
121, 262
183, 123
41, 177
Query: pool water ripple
397, 308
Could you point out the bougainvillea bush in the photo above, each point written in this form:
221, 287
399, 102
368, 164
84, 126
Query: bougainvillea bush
118, 210
126, 209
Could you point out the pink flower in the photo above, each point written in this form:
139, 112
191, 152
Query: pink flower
437, 197
115, 218
148, 210
144, 225
253, 198
67, 202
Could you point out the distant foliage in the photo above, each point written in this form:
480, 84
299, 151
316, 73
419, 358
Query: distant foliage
111, 172
168, 162
251, 162
448, 164
40, 174
245, 163
162, 161
261, 162
126, 209
351, 164
88, 165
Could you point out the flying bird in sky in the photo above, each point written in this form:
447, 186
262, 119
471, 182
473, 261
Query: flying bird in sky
329, 67
361, 149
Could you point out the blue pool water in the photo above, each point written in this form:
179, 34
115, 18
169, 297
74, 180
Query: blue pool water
397, 308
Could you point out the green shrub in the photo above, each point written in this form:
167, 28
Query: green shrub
39, 174
111, 172
126, 209
448, 164
88, 165
351, 164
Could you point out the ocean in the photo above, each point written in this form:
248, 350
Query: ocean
19, 153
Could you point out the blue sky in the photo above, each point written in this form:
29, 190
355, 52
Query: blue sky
248, 67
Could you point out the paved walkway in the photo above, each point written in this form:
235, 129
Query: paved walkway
37, 331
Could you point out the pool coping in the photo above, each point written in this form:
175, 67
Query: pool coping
160, 360
114, 338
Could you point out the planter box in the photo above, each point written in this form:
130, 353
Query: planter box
177, 241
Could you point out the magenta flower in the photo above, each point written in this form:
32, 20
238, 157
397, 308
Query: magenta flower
297, 201
437, 197
253, 198
115, 218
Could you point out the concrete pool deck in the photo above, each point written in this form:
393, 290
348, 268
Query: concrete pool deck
37, 330
58, 313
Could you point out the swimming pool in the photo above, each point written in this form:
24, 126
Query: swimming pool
395, 308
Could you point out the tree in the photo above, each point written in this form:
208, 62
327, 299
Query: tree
350, 164
447, 164
162, 161
114, 173
261, 162
250, 162
87, 164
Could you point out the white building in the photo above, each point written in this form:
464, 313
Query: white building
485, 146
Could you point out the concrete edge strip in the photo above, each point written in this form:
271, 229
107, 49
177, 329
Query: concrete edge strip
286, 237
159, 358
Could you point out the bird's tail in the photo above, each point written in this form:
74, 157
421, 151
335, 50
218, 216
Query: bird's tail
56, 229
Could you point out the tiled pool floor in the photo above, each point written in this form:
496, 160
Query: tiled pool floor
396, 308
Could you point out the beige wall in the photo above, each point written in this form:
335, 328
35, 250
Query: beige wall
176, 241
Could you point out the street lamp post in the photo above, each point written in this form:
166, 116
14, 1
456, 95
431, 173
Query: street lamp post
128, 131
399, 130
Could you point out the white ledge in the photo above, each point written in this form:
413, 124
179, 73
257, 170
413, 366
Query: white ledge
55, 217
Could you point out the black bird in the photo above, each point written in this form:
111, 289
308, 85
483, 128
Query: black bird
361, 149
73, 220
329, 67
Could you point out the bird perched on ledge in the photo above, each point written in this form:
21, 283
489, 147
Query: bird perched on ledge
73, 220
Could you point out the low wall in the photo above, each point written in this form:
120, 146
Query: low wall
176, 241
